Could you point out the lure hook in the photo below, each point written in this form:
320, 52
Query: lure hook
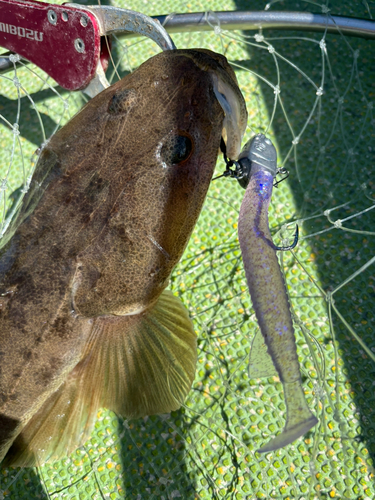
281, 171
293, 245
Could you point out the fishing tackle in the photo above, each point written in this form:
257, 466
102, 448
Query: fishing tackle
243, 170
268, 291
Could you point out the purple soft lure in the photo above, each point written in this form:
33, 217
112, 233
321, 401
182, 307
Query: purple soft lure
267, 289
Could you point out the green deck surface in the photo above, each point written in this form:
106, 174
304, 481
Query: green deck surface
206, 450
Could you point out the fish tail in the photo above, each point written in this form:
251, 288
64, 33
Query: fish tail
134, 365
299, 419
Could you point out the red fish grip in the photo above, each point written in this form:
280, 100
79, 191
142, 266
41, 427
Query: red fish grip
64, 41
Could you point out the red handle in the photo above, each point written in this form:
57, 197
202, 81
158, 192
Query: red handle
64, 41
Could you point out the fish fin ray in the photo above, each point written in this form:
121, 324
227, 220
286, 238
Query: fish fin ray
134, 365
154, 360
62, 424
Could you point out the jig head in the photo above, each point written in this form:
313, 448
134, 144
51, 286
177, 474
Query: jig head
258, 154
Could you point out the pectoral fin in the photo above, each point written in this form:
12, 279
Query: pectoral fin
56, 429
149, 365
135, 365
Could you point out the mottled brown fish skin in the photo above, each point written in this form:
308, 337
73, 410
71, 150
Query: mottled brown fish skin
107, 217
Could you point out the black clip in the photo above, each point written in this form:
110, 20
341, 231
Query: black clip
241, 171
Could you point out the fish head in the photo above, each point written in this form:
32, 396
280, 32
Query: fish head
131, 172
227, 92
160, 135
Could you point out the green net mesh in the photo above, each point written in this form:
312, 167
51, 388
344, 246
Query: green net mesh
313, 94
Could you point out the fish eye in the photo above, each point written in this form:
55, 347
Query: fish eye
176, 149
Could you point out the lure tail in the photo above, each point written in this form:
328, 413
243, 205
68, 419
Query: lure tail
299, 418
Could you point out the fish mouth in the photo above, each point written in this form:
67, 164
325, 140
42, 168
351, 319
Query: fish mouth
235, 113
228, 94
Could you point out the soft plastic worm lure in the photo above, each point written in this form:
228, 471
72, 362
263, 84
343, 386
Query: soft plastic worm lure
267, 287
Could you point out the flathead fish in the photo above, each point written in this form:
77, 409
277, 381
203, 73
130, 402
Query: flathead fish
85, 320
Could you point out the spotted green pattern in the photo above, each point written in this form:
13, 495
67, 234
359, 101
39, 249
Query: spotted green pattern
323, 127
